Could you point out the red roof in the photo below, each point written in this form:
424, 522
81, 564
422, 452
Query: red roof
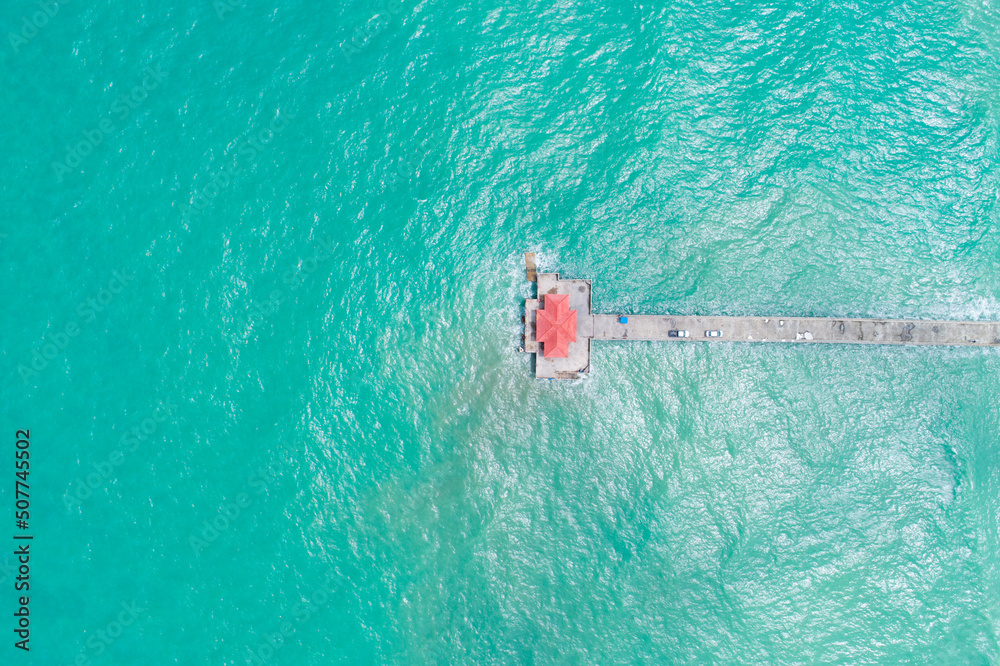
556, 326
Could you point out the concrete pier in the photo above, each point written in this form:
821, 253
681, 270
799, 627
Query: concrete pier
675, 328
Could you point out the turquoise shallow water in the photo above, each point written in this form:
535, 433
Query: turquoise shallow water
301, 230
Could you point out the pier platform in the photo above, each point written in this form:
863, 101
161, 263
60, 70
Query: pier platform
687, 329
578, 361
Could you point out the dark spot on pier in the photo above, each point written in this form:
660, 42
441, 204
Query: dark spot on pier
906, 336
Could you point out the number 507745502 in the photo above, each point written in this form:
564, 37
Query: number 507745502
22, 497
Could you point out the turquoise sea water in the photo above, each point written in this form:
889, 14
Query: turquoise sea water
300, 226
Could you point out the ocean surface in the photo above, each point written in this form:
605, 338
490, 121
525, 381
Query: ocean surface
261, 295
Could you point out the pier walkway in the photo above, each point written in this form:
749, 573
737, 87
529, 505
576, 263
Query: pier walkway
675, 328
